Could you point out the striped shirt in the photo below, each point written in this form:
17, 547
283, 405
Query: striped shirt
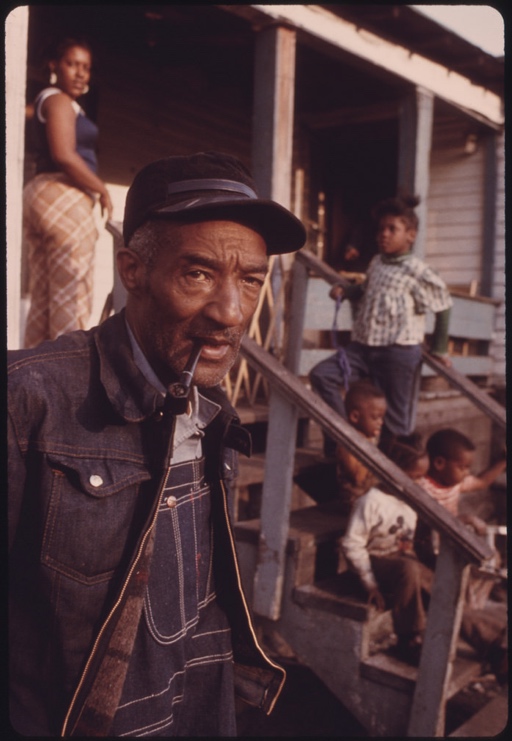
448, 496
398, 292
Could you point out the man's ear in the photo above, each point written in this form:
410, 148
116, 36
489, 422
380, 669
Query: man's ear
132, 271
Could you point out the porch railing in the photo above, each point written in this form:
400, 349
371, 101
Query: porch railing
459, 546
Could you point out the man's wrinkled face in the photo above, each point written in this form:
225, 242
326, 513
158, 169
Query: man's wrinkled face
203, 287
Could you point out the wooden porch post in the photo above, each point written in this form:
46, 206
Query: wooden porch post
272, 167
427, 716
416, 118
16, 34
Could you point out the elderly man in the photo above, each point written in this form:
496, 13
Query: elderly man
127, 615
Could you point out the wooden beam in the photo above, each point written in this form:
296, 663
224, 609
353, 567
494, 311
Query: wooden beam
291, 388
351, 114
480, 398
272, 149
319, 267
315, 21
416, 121
16, 33
273, 113
427, 717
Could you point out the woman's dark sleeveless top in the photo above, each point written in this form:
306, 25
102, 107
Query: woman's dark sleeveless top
86, 136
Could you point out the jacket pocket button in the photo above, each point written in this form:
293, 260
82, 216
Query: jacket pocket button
171, 502
95, 480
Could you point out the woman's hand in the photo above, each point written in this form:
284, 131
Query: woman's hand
106, 204
61, 136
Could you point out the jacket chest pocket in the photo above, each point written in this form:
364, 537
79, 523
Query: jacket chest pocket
93, 511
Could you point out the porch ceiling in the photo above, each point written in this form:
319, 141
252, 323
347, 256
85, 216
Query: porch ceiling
335, 83
403, 25
327, 26
192, 42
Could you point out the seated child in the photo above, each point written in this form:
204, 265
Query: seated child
378, 545
450, 458
365, 407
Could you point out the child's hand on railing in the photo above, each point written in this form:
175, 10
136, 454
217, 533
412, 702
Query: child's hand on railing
474, 523
336, 292
443, 359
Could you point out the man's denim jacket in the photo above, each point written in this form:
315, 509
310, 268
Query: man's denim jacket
88, 440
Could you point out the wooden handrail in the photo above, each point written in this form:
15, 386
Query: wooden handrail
293, 389
480, 398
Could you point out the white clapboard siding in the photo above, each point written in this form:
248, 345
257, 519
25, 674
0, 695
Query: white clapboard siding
497, 349
454, 237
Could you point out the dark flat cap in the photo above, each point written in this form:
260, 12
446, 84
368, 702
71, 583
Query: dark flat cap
204, 186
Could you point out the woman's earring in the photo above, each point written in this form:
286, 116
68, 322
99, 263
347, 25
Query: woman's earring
86, 90
53, 78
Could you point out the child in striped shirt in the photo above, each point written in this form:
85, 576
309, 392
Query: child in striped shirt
448, 478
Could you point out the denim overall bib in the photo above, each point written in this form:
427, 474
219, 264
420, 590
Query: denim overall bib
180, 676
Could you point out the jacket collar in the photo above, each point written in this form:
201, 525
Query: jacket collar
131, 396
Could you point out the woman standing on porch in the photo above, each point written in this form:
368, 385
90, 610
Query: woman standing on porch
58, 202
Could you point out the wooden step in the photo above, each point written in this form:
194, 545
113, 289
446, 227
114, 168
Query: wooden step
488, 722
316, 524
341, 595
385, 669
252, 470
312, 542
